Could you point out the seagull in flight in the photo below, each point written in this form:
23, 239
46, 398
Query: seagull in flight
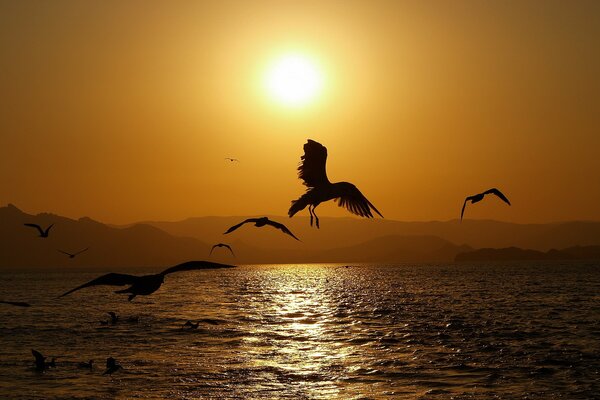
260, 222
476, 198
232, 159
146, 284
221, 245
72, 255
16, 303
111, 366
43, 233
320, 189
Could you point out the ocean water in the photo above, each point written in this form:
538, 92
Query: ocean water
498, 331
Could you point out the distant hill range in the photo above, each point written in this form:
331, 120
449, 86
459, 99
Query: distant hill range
340, 240
518, 254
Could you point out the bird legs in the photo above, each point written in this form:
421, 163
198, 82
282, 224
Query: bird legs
311, 210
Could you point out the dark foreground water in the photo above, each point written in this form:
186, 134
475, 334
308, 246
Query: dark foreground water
313, 332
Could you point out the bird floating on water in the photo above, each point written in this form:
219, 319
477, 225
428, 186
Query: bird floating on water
260, 222
146, 284
86, 365
476, 198
40, 361
43, 233
73, 255
191, 324
222, 245
111, 366
312, 171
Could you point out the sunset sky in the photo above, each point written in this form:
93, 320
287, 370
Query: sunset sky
126, 110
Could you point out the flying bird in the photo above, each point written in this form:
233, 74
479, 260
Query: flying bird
476, 198
16, 303
146, 284
312, 171
111, 366
232, 159
260, 222
43, 233
40, 361
72, 255
221, 245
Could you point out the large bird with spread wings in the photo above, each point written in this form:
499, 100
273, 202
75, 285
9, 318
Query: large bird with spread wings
146, 284
260, 222
320, 189
476, 198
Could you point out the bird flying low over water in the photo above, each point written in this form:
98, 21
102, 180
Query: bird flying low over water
221, 245
111, 366
260, 222
40, 361
43, 233
16, 303
476, 198
72, 255
146, 284
312, 171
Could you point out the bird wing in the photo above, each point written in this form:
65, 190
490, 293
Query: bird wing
64, 252
194, 265
81, 251
112, 279
48, 229
211, 250
462, 212
282, 227
233, 228
356, 202
312, 165
36, 226
16, 303
230, 249
499, 194
39, 358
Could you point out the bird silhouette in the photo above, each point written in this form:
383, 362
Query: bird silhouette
260, 222
191, 324
86, 365
43, 233
222, 245
72, 255
232, 159
114, 318
476, 198
146, 284
16, 303
313, 172
111, 366
40, 361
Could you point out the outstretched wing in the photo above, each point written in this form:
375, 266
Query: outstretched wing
230, 249
111, 279
233, 228
312, 165
194, 265
48, 229
81, 251
355, 201
36, 226
282, 227
499, 194
16, 303
64, 252
462, 212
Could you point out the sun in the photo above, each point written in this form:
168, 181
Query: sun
293, 80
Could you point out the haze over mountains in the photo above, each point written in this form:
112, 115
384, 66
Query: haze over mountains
345, 240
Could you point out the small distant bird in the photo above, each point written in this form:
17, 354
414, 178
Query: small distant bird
43, 233
72, 255
232, 159
312, 171
86, 365
221, 245
16, 303
260, 222
478, 197
114, 318
111, 366
191, 324
146, 284
40, 361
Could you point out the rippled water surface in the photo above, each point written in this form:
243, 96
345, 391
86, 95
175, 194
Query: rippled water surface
313, 332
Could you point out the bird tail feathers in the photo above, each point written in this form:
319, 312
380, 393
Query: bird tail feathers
298, 205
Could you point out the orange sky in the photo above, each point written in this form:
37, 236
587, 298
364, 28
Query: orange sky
124, 111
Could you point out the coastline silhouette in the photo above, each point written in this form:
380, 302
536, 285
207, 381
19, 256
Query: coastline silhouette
260, 222
43, 233
146, 284
312, 171
476, 198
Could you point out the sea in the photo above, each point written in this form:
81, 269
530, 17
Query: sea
318, 331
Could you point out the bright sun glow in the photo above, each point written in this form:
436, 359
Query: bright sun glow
293, 80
